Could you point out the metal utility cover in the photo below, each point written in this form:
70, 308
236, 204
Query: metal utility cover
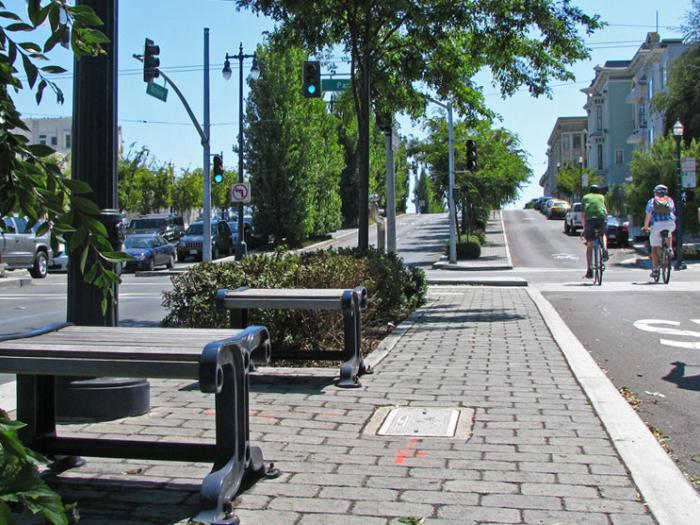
412, 421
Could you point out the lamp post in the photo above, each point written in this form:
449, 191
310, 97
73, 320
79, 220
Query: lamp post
678, 135
580, 177
557, 178
254, 75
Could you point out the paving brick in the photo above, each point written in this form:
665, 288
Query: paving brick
375, 508
479, 514
516, 501
297, 504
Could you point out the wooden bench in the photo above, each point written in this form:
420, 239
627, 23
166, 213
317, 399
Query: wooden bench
349, 302
218, 359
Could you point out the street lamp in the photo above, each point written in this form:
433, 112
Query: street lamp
678, 135
580, 176
254, 75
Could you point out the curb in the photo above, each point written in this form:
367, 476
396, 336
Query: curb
19, 282
505, 240
671, 499
478, 281
473, 268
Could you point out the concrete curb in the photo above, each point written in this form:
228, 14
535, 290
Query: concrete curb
505, 240
439, 265
7, 282
478, 281
671, 499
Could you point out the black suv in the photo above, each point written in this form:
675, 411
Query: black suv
171, 227
191, 242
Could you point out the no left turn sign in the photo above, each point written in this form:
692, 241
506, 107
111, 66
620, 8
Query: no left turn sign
240, 192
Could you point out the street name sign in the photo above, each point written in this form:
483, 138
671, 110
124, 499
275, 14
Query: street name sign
335, 84
688, 179
157, 91
240, 192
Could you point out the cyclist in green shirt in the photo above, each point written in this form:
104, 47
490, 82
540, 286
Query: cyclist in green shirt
595, 216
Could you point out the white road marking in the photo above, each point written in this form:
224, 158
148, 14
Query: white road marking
646, 325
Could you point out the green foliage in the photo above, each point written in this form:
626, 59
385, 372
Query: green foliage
615, 200
682, 99
571, 177
143, 187
188, 191
502, 164
30, 182
469, 249
292, 153
658, 165
424, 192
20, 484
394, 290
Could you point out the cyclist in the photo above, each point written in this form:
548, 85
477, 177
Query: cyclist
660, 215
594, 216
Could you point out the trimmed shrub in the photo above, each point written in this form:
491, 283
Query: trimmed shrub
394, 290
470, 249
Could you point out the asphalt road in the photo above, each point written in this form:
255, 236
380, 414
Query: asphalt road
645, 336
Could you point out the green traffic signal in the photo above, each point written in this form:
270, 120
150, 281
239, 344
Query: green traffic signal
218, 177
312, 79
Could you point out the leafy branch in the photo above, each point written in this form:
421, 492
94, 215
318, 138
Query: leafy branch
31, 184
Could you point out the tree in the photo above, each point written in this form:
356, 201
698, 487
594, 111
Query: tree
426, 200
682, 100
292, 153
188, 191
571, 178
657, 165
30, 184
502, 166
397, 48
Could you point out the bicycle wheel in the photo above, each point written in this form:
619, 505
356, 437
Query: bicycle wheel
665, 263
597, 264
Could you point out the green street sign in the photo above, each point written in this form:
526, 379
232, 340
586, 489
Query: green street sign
157, 91
335, 84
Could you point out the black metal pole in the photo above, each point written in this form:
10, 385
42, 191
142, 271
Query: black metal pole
94, 160
680, 205
240, 247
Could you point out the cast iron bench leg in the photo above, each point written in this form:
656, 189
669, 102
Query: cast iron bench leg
36, 407
352, 365
224, 372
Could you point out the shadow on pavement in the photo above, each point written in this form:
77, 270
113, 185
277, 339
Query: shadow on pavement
678, 377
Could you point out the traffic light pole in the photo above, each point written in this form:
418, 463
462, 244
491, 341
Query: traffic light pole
204, 136
451, 182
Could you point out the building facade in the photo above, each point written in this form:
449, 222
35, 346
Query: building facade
610, 122
649, 68
566, 146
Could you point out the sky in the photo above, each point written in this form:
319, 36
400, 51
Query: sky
177, 26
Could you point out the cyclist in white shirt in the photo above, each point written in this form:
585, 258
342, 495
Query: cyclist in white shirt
660, 215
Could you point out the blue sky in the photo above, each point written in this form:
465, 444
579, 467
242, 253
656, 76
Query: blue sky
178, 25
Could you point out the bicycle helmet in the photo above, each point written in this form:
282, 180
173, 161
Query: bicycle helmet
594, 188
661, 189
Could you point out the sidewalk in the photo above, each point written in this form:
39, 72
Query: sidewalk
541, 436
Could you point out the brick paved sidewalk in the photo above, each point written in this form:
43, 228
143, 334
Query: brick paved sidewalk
537, 454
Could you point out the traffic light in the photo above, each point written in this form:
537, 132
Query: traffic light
150, 61
218, 170
312, 79
471, 155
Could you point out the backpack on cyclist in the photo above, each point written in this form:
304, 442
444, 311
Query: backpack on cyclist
662, 205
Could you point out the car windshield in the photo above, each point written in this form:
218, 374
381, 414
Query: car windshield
233, 226
141, 224
198, 228
138, 242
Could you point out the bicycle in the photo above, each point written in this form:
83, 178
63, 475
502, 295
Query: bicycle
597, 264
665, 257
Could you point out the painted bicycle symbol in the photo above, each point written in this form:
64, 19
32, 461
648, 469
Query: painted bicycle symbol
664, 327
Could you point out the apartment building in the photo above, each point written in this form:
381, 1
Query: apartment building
649, 68
566, 146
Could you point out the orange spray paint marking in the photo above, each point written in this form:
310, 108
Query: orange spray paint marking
401, 454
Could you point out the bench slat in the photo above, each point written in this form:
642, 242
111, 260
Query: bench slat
295, 298
99, 367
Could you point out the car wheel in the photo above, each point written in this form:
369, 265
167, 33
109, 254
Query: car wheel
215, 253
41, 266
151, 264
171, 262
567, 230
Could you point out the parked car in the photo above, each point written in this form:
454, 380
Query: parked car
618, 231
573, 220
59, 261
540, 201
169, 226
544, 210
190, 243
557, 209
148, 251
21, 248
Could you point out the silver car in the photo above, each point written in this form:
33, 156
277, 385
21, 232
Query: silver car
21, 248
